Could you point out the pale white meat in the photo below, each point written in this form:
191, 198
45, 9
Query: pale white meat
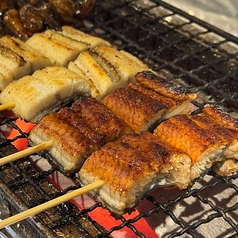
45, 91
73, 67
93, 70
109, 68
85, 38
63, 46
57, 52
11, 69
17, 60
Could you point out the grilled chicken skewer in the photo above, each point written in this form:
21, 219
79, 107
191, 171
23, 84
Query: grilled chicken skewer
24, 18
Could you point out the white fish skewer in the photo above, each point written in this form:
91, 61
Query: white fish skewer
44, 91
52, 203
26, 152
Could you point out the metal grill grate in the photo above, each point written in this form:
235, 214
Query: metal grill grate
189, 51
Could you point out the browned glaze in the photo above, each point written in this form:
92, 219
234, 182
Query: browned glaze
131, 166
163, 86
137, 105
98, 117
78, 131
183, 133
209, 124
22, 18
220, 116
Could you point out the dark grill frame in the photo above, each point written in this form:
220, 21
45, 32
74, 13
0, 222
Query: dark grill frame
190, 52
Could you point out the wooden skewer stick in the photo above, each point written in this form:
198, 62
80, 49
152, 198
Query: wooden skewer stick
7, 106
52, 203
26, 152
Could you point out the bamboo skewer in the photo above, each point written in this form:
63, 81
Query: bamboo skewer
7, 106
26, 152
52, 203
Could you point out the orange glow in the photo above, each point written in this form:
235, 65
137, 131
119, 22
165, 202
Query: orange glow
21, 143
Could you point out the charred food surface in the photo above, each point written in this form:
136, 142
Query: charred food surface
22, 18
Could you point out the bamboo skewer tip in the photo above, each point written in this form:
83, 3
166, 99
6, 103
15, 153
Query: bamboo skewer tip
26, 152
52, 203
7, 106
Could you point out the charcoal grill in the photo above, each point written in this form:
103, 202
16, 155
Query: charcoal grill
190, 52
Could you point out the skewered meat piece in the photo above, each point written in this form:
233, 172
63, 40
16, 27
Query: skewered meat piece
130, 167
203, 145
44, 91
13, 23
93, 90
77, 35
99, 117
60, 47
230, 166
18, 60
143, 108
167, 88
70, 9
84, 7
208, 124
219, 115
78, 131
137, 106
23, 18
109, 68
32, 19
63, 7
12, 66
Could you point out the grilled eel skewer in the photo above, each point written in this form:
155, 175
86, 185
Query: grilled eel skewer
77, 131
204, 140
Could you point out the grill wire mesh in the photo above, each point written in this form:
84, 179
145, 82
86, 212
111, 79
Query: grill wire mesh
192, 53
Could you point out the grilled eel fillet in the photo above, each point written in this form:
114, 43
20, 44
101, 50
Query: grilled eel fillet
17, 60
137, 106
143, 108
93, 90
168, 89
108, 68
78, 131
202, 144
44, 91
64, 46
219, 115
130, 167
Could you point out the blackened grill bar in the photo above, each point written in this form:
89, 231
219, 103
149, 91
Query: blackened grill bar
189, 57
